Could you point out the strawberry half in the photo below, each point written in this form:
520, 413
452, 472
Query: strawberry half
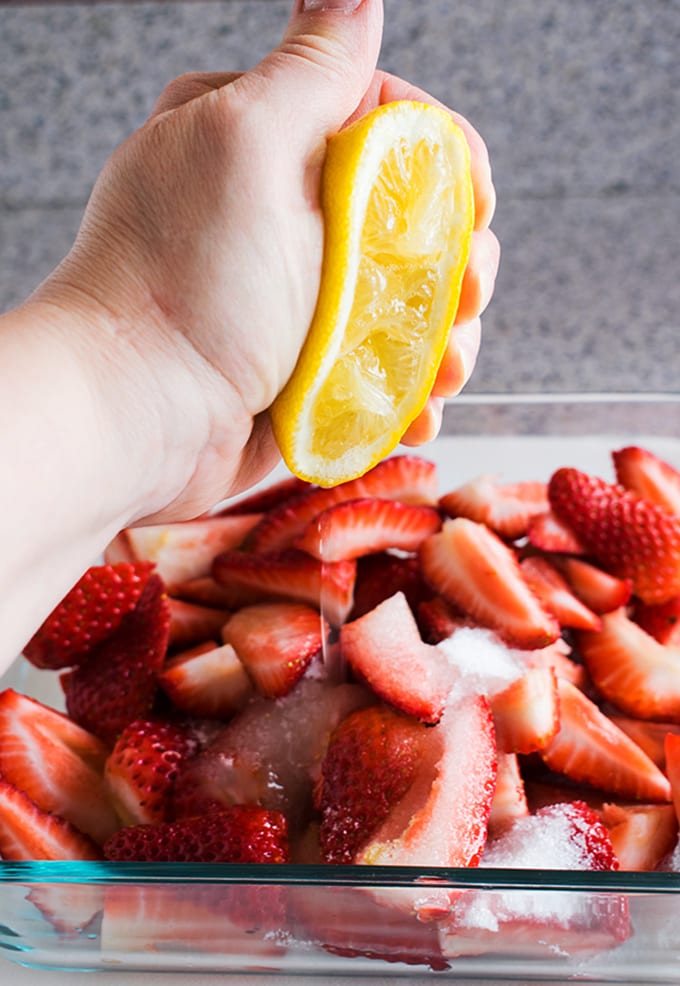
547, 532
661, 622
600, 591
56, 762
384, 649
88, 614
27, 832
509, 797
406, 478
372, 760
380, 575
183, 550
631, 669
142, 767
507, 508
276, 643
360, 527
642, 835
289, 575
237, 834
193, 623
630, 536
118, 682
526, 713
207, 681
646, 474
589, 748
473, 569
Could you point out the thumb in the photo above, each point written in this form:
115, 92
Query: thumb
324, 63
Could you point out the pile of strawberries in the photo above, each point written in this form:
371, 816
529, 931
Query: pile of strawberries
374, 673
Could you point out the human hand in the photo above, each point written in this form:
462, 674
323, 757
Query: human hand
200, 255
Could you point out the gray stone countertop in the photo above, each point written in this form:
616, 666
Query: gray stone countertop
578, 102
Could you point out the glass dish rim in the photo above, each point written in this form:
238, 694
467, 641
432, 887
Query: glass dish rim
110, 873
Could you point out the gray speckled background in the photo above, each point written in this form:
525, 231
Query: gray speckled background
579, 103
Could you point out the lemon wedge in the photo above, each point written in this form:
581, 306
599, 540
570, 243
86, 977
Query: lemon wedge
398, 210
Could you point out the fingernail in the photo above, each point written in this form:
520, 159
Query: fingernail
344, 6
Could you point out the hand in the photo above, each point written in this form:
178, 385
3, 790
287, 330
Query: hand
200, 251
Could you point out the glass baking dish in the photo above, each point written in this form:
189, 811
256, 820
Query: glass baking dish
504, 925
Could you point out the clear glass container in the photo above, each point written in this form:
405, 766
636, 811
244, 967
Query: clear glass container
505, 925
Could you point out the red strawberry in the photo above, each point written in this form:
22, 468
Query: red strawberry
380, 575
672, 755
509, 798
207, 681
56, 762
552, 589
631, 669
473, 569
238, 834
649, 736
628, 535
548, 533
407, 478
118, 682
642, 835
556, 657
276, 643
506, 508
264, 500
599, 590
183, 550
438, 619
193, 623
205, 591
373, 758
88, 614
28, 832
290, 575
142, 767
646, 474
526, 713
590, 749
361, 527
442, 820
661, 621
384, 649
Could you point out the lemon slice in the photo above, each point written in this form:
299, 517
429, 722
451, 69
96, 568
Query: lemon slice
398, 211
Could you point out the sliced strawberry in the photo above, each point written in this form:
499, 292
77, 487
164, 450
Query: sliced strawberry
553, 591
406, 478
506, 508
643, 472
203, 590
438, 619
89, 613
380, 575
384, 649
509, 798
526, 713
630, 536
69, 907
548, 533
632, 670
442, 820
56, 762
661, 621
473, 569
590, 749
193, 623
28, 832
650, 736
207, 681
373, 758
239, 834
672, 754
556, 656
183, 550
360, 527
118, 682
142, 767
276, 643
289, 575
266, 499
599, 590
642, 835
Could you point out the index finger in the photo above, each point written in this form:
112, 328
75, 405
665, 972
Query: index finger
386, 88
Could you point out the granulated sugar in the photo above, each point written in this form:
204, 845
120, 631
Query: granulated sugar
483, 661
